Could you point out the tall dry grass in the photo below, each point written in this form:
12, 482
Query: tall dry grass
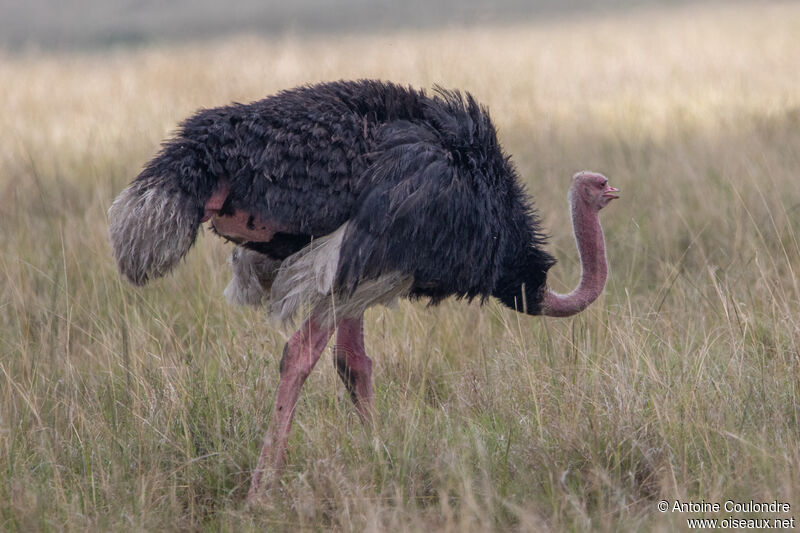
144, 409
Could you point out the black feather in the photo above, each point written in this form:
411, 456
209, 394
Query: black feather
422, 179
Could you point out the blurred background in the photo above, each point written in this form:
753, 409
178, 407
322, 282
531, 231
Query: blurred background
99, 24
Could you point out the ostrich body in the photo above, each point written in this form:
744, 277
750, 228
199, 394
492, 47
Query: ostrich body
344, 195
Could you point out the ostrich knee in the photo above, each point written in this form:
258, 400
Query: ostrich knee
353, 368
300, 355
353, 365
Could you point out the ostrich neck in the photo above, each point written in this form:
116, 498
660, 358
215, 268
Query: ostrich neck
592, 251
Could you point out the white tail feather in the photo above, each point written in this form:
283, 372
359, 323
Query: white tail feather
151, 228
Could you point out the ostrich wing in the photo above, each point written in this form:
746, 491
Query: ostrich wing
424, 215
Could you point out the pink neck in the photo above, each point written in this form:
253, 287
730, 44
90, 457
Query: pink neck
594, 271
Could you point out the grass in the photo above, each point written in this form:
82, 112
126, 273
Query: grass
144, 409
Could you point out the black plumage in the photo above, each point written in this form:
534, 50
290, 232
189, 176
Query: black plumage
422, 180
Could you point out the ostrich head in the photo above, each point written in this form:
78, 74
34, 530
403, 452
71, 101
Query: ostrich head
592, 190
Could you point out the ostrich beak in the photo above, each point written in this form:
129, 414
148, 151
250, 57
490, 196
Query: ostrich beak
609, 193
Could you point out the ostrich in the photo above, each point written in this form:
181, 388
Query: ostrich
343, 195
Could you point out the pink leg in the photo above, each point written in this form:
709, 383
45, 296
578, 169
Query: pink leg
353, 365
299, 357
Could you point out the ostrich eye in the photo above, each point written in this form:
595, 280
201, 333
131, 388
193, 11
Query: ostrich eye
604, 183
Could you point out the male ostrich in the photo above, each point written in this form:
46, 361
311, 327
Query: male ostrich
344, 195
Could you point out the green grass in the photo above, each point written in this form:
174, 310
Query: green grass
144, 409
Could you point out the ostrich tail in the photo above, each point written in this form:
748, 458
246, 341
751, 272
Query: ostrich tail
152, 224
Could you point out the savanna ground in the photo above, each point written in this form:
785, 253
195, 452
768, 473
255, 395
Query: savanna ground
144, 409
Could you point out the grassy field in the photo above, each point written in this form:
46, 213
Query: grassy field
143, 409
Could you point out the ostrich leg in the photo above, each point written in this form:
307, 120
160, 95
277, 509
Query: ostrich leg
353, 365
300, 355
